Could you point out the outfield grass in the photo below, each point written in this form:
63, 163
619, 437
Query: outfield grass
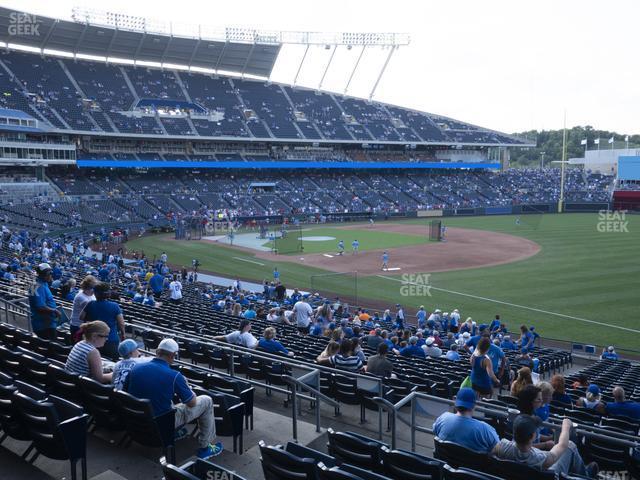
368, 239
580, 272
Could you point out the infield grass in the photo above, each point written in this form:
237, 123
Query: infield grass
580, 272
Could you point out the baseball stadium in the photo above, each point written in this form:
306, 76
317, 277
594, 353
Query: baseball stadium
209, 274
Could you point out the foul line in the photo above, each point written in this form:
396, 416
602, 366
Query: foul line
249, 261
513, 305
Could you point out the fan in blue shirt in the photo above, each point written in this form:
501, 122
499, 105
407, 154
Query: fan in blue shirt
464, 430
269, 344
622, 407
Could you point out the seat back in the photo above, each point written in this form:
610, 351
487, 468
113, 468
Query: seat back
63, 383
403, 465
278, 464
349, 448
609, 456
451, 473
458, 456
509, 469
98, 400
140, 423
42, 423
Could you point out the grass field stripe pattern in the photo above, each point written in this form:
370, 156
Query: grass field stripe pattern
248, 261
533, 309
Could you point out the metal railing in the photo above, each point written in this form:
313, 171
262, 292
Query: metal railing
13, 313
428, 406
303, 378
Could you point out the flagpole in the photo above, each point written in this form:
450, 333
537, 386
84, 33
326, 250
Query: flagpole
564, 159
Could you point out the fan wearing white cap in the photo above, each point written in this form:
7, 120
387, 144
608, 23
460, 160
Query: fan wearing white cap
44, 313
158, 382
609, 353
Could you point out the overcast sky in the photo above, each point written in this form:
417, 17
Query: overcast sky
509, 65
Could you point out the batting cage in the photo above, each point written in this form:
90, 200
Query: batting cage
286, 239
435, 230
189, 228
331, 285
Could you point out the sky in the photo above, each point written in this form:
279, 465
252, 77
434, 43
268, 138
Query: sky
508, 65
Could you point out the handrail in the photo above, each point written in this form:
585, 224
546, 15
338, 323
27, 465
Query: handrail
589, 431
296, 383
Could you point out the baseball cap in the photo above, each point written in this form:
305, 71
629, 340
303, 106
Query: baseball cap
524, 426
169, 345
610, 348
466, 335
43, 267
429, 341
437, 310
397, 304
466, 398
593, 388
127, 347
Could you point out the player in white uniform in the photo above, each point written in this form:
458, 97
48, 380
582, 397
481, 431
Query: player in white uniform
385, 260
355, 245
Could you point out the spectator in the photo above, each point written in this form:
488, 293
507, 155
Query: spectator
302, 311
80, 301
44, 311
379, 364
84, 358
346, 359
563, 457
482, 376
241, 337
158, 382
559, 395
156, 283
453, 354
507, 343
109, 312
526, 339
609, 353
462, 428
175, 289
622, 407
431, 349
522, 380
269, 344
592, 399
129, 353
581, 382
330, 350
411, 350
374, 340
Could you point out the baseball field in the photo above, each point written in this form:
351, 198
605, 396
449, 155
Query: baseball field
574, 276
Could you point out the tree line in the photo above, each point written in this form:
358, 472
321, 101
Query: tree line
550, 142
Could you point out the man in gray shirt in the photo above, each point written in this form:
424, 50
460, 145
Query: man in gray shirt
379, 364
562, 458
374, 340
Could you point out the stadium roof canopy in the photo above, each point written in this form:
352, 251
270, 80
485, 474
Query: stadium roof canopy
45, 33
245, 51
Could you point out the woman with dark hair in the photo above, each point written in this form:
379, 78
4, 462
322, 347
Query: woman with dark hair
530, 400
482, 376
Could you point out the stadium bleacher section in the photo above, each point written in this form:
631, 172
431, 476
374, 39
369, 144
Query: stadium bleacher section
94, 97
33, 368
